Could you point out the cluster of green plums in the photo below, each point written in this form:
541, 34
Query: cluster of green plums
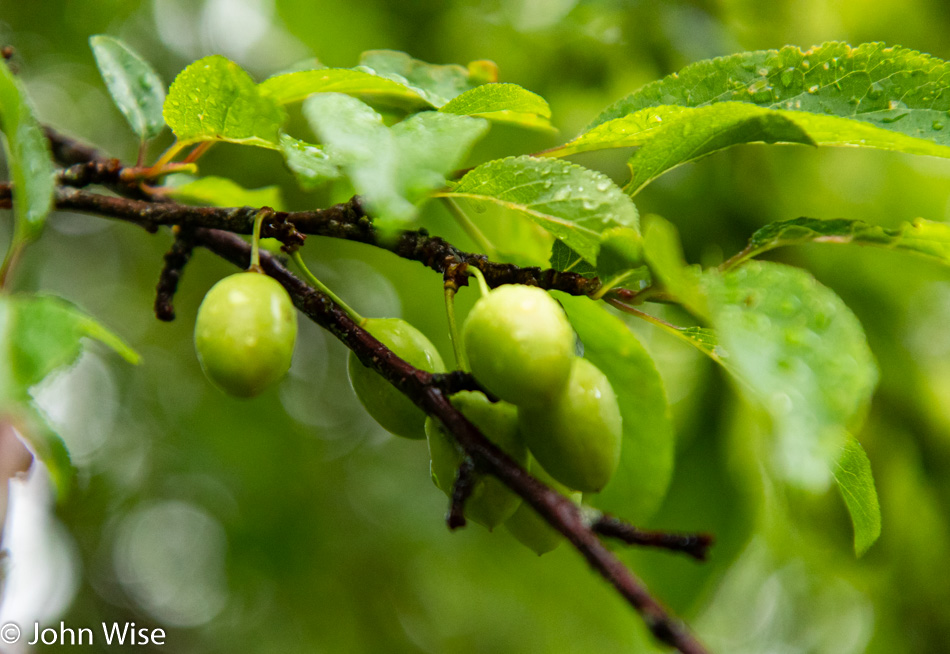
553, 412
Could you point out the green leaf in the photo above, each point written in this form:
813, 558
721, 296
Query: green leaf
575, 204
925, 237
664, 255
503, 103
431, 145
706, 341
801, 354
214, 99
28, 158
43, 334
889, 98
223, 192
565, 259
39, 335
367, 86
310, 163
392, 169
436, 83
649, 444
137, 89
621, 251
856, 483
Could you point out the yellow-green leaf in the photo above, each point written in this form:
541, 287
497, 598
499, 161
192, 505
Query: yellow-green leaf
214, 99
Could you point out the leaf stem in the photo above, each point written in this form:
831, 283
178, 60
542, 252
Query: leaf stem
199, 150
482, 284
168, 155
460, 360
747, 253
256, 239
320, 286
470, 228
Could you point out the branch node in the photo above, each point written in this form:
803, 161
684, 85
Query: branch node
277, 225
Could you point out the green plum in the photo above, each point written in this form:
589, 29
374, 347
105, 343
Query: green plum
245, 333
577, 437
490, 503
519, 344
391, 409
531, 529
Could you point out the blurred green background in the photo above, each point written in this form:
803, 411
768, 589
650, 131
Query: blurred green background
293, 523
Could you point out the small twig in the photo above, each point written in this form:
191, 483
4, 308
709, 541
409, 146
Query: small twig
176, 259
98, 171
68, 151
461, 491
694, 545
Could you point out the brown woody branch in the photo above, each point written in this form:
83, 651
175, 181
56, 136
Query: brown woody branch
694, 545
344, 221
557, 510
461, 490
212, 228
176, 259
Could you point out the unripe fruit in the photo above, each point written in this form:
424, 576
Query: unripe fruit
245, 333
519, 344
531, 529
391, 409
577, 437
490, 503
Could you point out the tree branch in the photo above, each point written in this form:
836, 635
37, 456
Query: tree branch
176, 259
695, 545
344, 221
215, 230
557, 510
461, 491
